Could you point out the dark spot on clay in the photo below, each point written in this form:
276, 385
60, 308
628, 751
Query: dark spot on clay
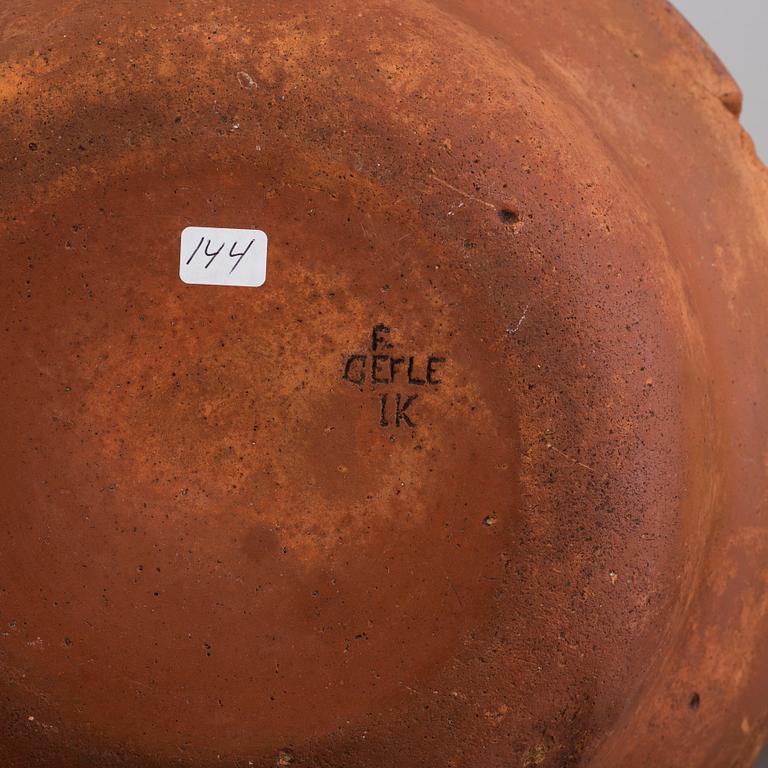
67, 641
508, 216
695, 701
33, 146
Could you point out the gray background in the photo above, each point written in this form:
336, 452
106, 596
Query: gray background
737, 29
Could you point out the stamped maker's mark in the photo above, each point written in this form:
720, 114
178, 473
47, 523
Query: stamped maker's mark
384, 368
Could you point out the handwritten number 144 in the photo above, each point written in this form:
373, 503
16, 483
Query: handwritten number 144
211, 255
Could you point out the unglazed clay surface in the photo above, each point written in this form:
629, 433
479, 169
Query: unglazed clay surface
477, 477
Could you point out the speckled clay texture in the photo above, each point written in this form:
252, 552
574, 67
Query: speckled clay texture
217, 550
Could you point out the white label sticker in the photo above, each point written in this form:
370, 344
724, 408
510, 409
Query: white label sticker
219, 256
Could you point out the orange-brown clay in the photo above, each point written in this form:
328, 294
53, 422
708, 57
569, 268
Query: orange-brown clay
217, 550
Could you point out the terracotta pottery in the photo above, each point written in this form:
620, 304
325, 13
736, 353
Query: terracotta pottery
477, 477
